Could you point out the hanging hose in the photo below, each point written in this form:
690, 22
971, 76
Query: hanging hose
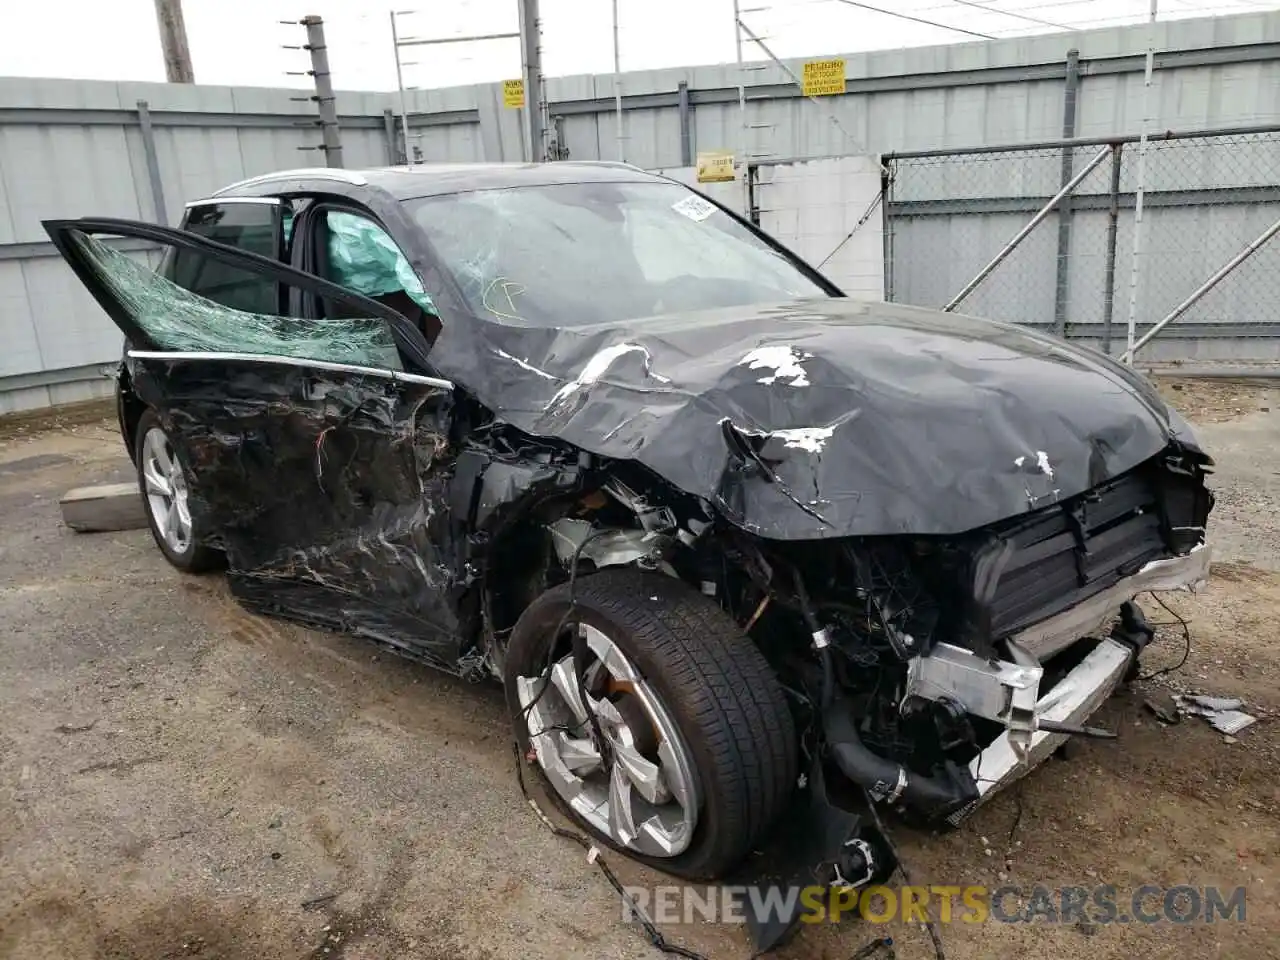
886, 780
883, 778
821, 642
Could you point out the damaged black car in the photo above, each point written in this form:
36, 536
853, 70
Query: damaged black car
746, 555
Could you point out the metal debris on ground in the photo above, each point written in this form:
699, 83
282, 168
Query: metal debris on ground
1225, 714
1164, 706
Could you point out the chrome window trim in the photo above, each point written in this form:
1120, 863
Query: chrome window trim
272, 201
304, 173
293, 362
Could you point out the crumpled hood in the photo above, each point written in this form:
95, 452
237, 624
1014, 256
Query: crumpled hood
872, 418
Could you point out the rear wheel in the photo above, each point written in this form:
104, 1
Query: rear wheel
163, 481
676, 746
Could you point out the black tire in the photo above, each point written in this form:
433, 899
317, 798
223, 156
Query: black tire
712, 680
196, 558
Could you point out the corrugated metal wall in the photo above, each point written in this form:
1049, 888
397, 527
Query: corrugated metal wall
1222, 71
69, 148
139, 151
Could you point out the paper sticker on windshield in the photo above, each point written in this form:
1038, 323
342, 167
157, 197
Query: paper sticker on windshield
694, 207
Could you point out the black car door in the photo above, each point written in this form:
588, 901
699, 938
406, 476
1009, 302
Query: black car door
319, 448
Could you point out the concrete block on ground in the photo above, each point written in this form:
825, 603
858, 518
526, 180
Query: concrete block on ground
108, 506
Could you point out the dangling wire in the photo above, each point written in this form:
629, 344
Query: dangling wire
650, 929
320, 458
930, 925
551, 646
1186, 640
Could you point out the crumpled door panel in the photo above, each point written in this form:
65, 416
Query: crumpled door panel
325, 489
316, 460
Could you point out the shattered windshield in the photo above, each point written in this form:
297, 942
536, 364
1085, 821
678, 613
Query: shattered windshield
583, 253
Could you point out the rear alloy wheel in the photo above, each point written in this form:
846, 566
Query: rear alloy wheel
677, 746
162, 479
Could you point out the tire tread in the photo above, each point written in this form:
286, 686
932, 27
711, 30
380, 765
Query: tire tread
722, 678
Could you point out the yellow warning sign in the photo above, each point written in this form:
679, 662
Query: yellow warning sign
513, 93
822, 78
715, 166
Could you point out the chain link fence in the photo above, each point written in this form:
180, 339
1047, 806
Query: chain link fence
1207, 198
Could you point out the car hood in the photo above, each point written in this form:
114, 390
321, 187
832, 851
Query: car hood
827, 418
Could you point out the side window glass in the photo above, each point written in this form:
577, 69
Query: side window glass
250, 226
176, 318
362, 257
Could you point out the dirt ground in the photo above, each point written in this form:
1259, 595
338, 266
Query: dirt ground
181, 779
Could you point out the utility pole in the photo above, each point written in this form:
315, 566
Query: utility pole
325, 104
404, 103
617, 86
173, 42
1135, 270
744, 164
531, 58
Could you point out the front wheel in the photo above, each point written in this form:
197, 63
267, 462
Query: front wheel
164, 483
657, 723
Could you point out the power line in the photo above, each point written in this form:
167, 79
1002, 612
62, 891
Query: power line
1185, 8
1024, 9
1011, 13
946, 5
1247, 4
927, 23
1219, 6
1133, 19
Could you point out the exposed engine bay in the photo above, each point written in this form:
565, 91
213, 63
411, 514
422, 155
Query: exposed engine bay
924, 672
923, 650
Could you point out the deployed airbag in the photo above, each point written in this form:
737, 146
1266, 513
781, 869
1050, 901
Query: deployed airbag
364, 259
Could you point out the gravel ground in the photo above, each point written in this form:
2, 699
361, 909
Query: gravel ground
179, 778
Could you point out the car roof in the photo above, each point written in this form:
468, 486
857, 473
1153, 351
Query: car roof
437, 179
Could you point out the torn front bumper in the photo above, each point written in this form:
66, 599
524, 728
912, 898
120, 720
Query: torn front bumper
1010, 691
1072, 701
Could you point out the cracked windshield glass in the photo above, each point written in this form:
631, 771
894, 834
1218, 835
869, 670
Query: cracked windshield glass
585, 253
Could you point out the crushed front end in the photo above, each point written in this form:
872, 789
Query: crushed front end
924, 672
957, 663
929, 672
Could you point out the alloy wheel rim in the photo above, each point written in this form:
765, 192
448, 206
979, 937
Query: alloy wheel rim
639, 790
166, 490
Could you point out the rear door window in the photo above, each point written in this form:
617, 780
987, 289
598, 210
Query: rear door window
251, 224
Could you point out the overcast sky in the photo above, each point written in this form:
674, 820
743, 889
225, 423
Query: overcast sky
240, 41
